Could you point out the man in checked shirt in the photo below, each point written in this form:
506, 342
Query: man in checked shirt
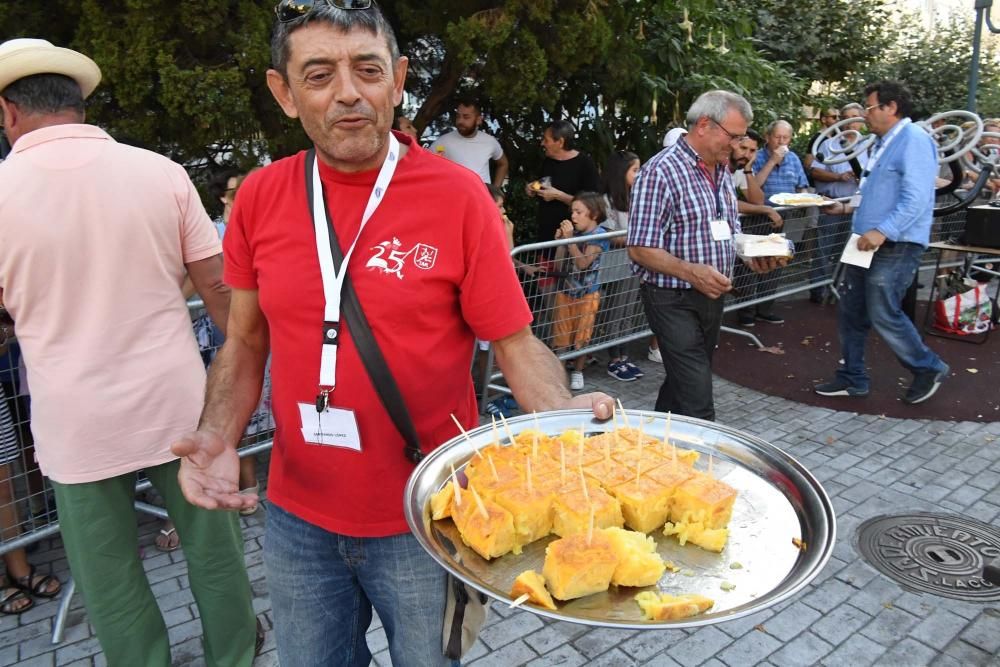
680, 240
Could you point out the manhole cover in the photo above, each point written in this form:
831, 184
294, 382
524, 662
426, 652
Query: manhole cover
933, 553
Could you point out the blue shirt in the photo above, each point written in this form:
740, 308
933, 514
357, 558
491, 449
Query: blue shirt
788, 176
897, 197
837, 189
673, 204
581, 282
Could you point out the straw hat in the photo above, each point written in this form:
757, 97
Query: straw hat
24, 57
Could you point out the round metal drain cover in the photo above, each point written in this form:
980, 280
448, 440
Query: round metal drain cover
933, 553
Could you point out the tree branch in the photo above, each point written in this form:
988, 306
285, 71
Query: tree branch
443, 86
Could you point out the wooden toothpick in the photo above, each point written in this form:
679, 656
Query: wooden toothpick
479, 503
519, 601
506, 427
496, 477
640, 435
527, 467
624, 415
457, 486
464, 433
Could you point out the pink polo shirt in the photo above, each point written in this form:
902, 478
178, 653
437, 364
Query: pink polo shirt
94, 236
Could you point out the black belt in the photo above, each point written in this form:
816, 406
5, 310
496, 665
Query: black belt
667, 289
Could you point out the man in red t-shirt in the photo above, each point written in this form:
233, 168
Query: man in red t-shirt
432, 272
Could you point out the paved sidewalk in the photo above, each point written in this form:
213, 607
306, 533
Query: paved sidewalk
850, 615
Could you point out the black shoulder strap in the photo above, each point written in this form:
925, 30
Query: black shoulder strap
364, 339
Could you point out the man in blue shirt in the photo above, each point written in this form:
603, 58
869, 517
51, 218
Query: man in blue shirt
893, 217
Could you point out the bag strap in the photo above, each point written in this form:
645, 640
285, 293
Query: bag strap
364, 339
453, 649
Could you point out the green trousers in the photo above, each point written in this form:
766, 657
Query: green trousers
100, 534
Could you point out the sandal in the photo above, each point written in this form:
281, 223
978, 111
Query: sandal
255, 489
258, 643
37, 584
9, 597
170, 544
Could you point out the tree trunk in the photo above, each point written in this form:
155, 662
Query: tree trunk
444, 85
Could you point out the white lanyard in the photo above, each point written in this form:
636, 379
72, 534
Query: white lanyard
333, 281
873, 160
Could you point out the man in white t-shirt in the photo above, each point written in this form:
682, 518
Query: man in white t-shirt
468, 146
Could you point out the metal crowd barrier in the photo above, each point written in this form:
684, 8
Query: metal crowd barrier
819, 240
27, 505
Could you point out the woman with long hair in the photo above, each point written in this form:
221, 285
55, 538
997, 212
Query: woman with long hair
620, 286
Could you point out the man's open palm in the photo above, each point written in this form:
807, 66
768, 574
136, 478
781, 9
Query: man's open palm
210, 472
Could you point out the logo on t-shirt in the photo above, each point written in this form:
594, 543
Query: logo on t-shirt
390, 258
426, 256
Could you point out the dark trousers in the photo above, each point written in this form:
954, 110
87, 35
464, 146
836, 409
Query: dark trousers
686, 325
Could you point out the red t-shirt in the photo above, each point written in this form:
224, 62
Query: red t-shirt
432, 272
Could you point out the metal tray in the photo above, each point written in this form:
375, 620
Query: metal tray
778, 500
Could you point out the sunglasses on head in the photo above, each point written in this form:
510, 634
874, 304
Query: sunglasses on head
289, 10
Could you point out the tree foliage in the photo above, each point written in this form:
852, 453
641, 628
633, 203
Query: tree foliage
823, 40
186, 77
935, 66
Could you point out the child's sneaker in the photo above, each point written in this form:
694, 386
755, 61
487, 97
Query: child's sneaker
620, 371
653, 354
498, 408
636, 371
576, 380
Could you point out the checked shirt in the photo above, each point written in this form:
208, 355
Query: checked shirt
673, 203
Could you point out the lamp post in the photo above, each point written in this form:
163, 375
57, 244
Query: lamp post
983, 9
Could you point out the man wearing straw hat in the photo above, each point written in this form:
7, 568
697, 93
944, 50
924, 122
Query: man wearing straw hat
95, 240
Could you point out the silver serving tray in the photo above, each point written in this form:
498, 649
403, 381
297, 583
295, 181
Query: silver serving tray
778, 500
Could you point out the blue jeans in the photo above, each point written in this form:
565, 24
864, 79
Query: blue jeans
872, 299
323, 587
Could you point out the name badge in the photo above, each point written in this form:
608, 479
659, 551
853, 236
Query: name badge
855, 200
720, 230
333, 427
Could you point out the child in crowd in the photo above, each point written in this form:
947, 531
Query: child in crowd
577, 303
508, 226
620, 286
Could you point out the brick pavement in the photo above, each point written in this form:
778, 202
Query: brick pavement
850, 615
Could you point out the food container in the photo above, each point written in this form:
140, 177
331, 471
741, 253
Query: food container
781, 534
